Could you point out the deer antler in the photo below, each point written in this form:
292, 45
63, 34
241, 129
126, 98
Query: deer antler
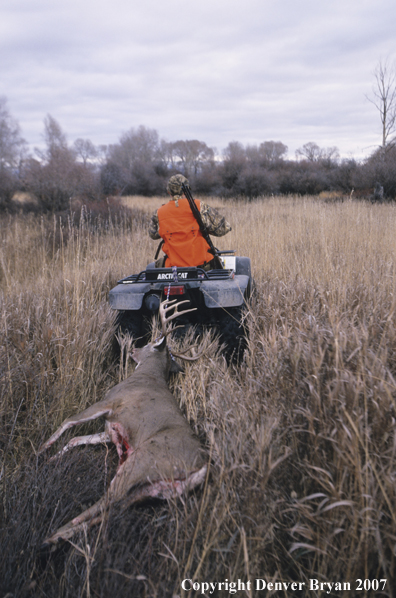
164, 308
169, 306
185, 357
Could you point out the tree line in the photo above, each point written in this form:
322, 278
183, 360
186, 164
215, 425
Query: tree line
141, 163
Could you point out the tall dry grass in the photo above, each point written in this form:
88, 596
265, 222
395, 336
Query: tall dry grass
301, 434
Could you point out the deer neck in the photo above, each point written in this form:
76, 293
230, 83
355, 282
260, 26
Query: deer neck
152, 368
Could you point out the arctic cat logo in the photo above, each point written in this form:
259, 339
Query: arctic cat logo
169, 276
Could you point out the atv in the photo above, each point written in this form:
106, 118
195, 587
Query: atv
220, 296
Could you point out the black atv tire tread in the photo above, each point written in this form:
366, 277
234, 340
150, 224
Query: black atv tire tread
135, 324
232, 332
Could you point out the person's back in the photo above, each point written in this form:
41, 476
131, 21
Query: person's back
174, 222
184, 244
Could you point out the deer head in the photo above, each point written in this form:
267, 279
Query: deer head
152, 349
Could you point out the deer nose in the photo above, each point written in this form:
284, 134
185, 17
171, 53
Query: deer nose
152, 302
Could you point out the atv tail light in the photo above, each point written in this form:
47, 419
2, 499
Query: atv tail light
176, 290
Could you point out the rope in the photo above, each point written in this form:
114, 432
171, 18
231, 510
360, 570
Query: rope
175, 279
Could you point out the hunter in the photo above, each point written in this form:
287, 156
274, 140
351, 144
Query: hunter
175, 223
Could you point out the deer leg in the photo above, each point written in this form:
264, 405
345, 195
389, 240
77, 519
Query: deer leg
92, 515
165, 489
79, 440
89, 516
89, 414
118, 490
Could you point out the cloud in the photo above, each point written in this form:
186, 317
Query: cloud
216, 71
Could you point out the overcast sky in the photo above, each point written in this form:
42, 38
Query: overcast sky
214, 70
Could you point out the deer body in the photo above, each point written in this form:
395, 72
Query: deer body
159, 455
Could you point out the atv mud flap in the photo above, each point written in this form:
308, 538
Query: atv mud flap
225, 293
216, 293
128, 296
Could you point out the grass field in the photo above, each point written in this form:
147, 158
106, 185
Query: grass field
301, 434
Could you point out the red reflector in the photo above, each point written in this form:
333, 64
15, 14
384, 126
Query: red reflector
176, 290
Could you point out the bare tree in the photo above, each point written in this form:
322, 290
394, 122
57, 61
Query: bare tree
102, 154
55, 140
234, 162
192, 154
52, 178
85, 150
384, 98
235, 152
313, 153
57, 178
267, 152
166, 153
133, 163
310, 151
12, 146
136, 145
12, 152
272, 151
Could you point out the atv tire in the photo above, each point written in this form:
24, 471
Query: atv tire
232, 332
134, 323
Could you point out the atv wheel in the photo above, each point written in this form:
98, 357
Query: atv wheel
135, 324
232, 332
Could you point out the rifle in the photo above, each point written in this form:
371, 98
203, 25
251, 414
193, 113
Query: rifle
202, 227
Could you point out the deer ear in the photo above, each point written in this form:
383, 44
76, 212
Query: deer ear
160, 345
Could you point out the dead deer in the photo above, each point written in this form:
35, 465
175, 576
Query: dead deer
159, 456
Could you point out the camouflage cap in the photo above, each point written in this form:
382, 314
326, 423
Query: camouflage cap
174, 186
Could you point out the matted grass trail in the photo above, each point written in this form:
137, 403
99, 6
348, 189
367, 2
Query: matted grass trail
302, 437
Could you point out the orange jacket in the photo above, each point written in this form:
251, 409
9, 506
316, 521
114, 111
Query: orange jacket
184, 244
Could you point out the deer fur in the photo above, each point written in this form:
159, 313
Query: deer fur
159, 456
